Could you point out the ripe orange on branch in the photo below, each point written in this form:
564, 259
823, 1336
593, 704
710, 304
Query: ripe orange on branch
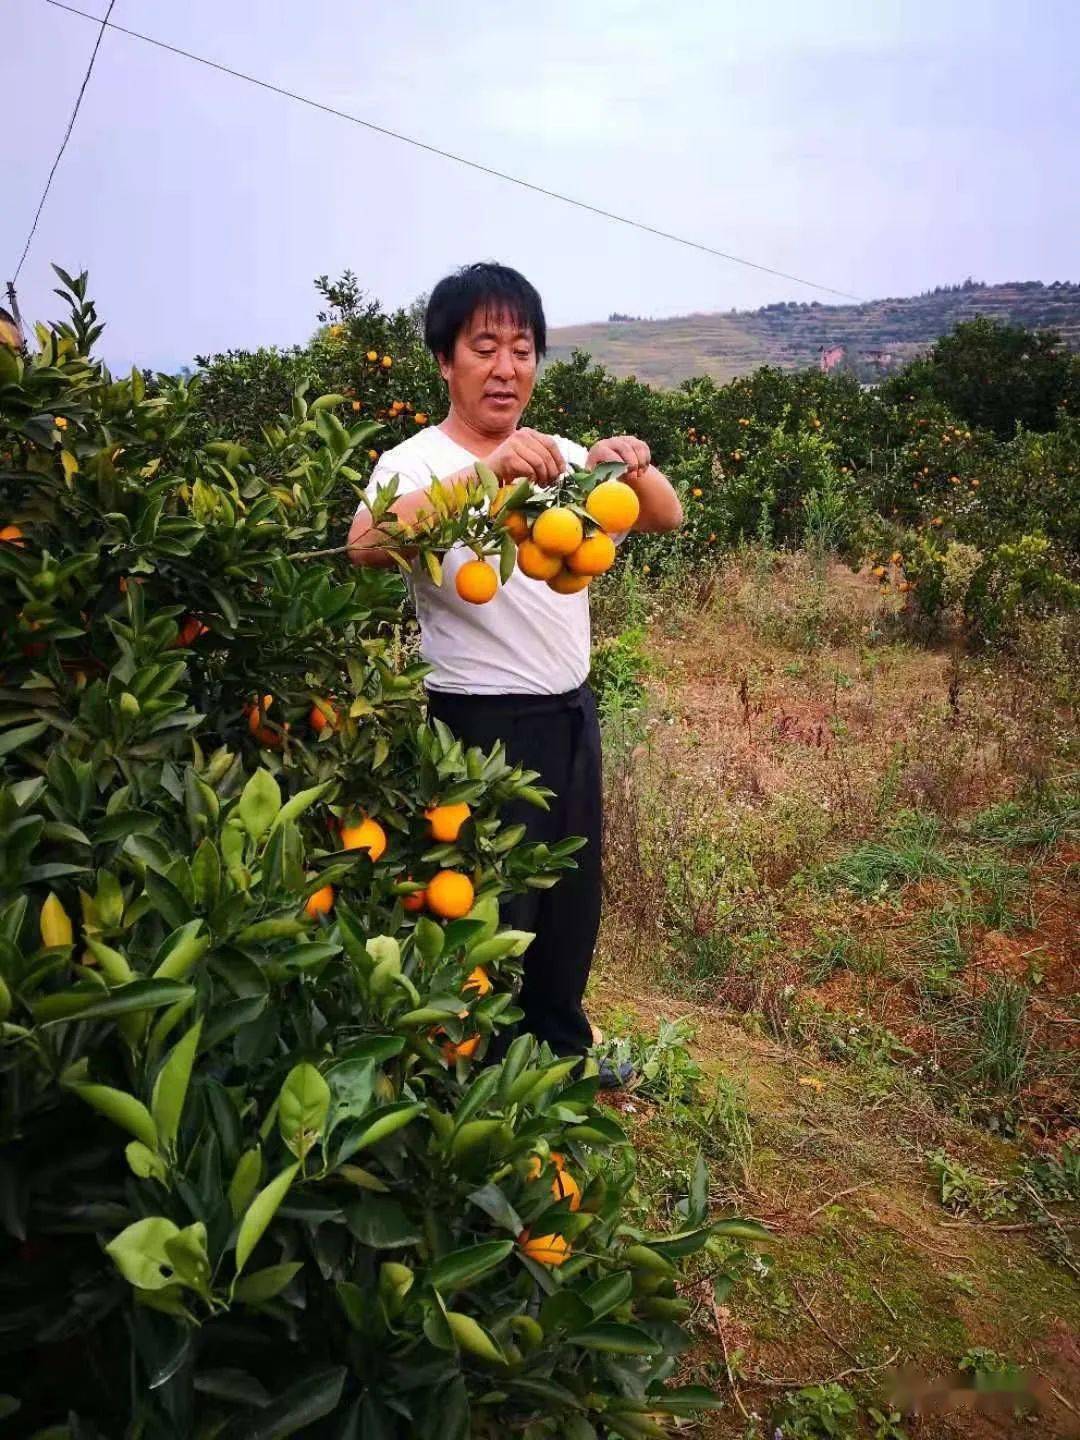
322, 714
613, 505
445, 821
536, 563
593, 556
321, 903
450, 894
545, 1249
476, 582
478, 983
567, 583
557, 530
368, 835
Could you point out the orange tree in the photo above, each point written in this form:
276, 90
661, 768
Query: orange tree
256, 1177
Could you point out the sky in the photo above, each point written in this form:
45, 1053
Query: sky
880, 147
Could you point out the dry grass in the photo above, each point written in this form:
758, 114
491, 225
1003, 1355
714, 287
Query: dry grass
769, 751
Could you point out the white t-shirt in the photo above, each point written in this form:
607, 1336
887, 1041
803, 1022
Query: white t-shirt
527, 640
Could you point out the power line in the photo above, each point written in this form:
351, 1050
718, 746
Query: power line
449, 155
67, 137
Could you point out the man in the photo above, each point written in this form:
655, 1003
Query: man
515, 669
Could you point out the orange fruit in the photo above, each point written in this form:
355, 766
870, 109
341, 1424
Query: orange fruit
450, 894
565, 1187
613, 505
445, 821
566, 583
537, 563
321, 903
387, 362
478, 982
356, 404
545, 1249
369, 835
516, 526
476, 582
414, 901
557, 530
321, 715
420, 418
462, 1050
536, 1164
12, 535
593, 556
190, 630
256, 713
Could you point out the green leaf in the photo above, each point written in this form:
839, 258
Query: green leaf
124, 1000
507, 559
615, 1339
497, 1207
259, 803
298, 1407
122, 1109
181, 951
22, 735
303, 1106
301, 801
381, 1222
461, 1267
171, 1086
609, 1293
378, 1125
434, 568
245, 1181
139, 1252
144, 1163
473, 1338
741, 1229
263, 1285
259, 1214
429, 938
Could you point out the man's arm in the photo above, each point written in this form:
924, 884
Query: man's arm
660, 507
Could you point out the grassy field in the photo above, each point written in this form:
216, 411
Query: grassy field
841, 943
723, 345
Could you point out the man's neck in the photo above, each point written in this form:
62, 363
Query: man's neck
478, 442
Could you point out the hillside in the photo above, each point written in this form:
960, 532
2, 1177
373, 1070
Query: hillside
876, 336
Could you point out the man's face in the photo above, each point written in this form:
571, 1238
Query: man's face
491, 373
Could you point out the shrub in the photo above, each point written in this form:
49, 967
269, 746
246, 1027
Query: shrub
257, 1177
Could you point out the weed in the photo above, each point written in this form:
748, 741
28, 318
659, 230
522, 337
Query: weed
962, 1190
1004, 1037
817, 1412
911, 851
1055, 1178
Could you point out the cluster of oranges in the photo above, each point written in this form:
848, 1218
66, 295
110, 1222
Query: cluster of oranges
881, 575
449, 894
551, 1249
554, 546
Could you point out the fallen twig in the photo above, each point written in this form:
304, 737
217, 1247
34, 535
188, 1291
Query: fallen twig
727, 1364
1058, 1396
839, 1196
810, 1311
759, 1379
881, 1297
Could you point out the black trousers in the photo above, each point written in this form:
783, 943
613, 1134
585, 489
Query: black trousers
559, 736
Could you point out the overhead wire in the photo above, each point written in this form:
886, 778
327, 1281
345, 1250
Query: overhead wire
450, 155
63, 143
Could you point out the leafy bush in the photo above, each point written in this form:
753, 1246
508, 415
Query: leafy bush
256, 1176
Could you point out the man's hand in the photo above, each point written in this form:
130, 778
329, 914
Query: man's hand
632, 452
527, 455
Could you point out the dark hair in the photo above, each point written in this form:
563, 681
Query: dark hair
489, 287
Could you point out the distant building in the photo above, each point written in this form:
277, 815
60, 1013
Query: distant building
831, 358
